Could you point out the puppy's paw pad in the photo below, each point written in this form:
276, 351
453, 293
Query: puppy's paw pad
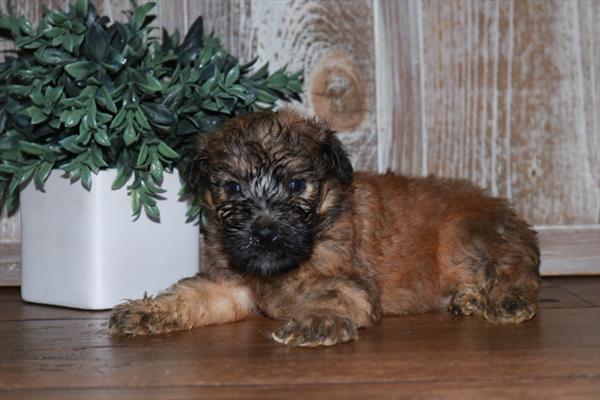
132, 318
511, 310
316, 331
467, 303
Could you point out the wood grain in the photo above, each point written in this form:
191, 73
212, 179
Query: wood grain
556, 355
231, 21
522, 388
402, 144
511, 102
170, 14
566, 251
302, 34
554, 150
585, 288
10, 263
504, 93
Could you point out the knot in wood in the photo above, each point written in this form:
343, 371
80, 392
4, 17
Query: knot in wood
337, 92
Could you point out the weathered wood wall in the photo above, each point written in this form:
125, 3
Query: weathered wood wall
505, 93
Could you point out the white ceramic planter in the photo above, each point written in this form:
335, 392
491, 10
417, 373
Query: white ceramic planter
81, 249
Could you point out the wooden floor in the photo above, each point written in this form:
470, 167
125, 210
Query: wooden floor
48, 352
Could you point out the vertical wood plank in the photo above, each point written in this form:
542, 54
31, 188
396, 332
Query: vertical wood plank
464, 52
400, 129
554, 145
589, 33
511, 102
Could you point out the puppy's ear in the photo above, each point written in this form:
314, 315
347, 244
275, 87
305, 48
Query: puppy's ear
196, 169
338, 159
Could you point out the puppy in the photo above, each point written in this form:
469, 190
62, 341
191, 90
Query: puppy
291, 232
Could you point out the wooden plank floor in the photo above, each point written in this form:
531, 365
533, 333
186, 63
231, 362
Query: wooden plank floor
49, 352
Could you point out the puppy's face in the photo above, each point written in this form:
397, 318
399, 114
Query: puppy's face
269, 182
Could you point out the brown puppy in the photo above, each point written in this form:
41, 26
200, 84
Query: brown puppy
291, 232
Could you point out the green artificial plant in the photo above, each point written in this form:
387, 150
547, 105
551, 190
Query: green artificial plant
82, 94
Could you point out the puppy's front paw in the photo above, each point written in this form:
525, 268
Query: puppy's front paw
130, 318
140, 317
313, 331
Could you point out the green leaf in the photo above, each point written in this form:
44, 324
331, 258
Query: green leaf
232, 76
156, 168
193, 38
136, 203
41, 173
52, 56
2, 123
141, 119
53, 94
166, 151
277, 81
103, 118
81, 8
119, 119
123, 175
84, 137
91, 115
101, 137
14, 183
26, 27
265, 96
26, 174
142, 156
32, 148
8, 169
174, 98
240, 92
105, 100
95, 44
97, 158
37, 116
20, 90
159, 114
153, 188
151, 84
130, 135
139, 15
152, 212
70, 144
81, 69
262, 73
210, 84
71, 117
38, 98
85, 174
54, 32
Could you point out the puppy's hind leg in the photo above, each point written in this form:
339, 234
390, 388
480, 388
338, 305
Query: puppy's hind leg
490, 265
193, 302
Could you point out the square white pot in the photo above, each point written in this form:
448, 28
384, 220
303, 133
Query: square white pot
82, 249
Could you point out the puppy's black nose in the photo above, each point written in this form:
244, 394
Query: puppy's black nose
264, 229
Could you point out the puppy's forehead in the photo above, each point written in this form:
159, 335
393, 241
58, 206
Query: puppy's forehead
271, 142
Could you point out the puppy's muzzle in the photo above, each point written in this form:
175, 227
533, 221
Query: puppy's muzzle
265, 231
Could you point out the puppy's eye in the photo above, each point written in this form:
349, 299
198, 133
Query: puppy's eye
232, 188
296, 185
